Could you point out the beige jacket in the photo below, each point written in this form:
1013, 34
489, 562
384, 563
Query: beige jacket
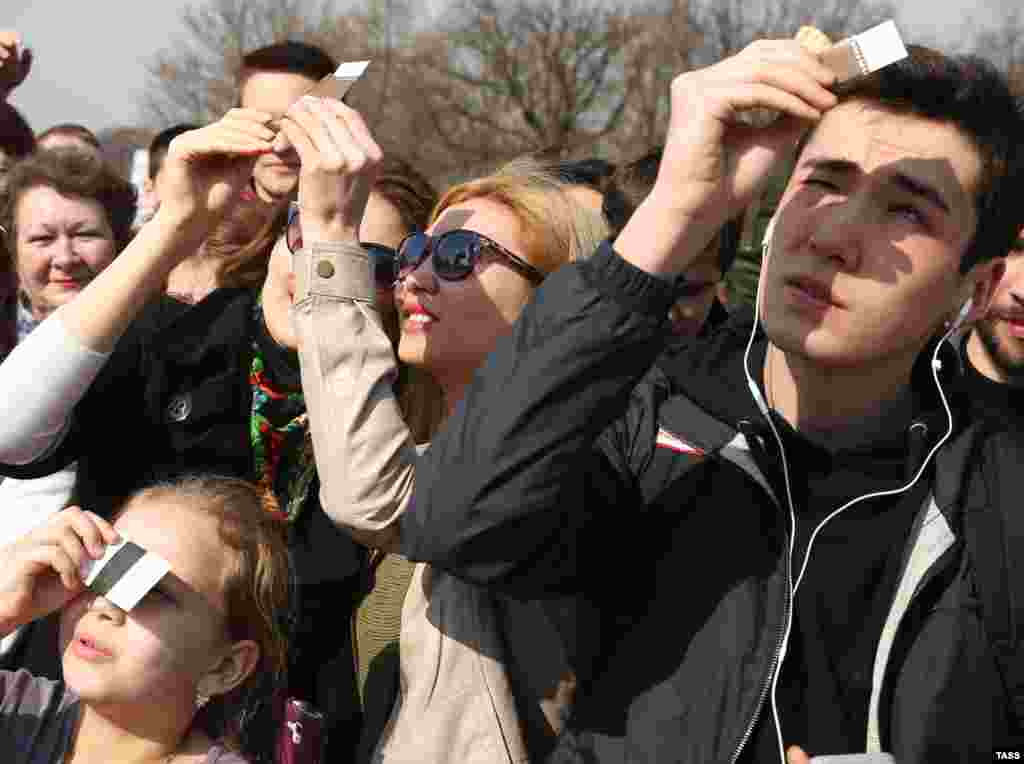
456, 703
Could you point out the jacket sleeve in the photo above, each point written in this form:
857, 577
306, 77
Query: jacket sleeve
41, 382
365, 454
521, 485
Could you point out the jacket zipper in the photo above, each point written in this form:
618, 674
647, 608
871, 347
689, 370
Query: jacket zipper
785, 621
780, 639
775, 659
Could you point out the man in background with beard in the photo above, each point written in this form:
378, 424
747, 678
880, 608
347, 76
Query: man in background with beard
994, 349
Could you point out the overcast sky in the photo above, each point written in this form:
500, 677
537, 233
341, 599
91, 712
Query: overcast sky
91, 56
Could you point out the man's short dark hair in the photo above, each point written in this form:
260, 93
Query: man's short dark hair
969, 93
289, 57
161, 142
70, 130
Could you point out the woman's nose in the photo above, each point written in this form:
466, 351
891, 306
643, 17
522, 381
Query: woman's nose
63, 252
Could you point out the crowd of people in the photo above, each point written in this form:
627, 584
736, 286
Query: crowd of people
496, 474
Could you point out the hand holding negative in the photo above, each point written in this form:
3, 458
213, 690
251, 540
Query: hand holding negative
712, 156
340, 161
41, 570
15, 62
206, 169
714, 160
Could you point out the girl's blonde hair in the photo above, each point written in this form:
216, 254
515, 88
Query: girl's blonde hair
556, 229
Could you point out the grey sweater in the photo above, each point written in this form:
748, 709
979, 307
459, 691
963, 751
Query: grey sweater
37, 720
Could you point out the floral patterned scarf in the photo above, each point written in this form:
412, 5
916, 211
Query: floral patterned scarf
279, 430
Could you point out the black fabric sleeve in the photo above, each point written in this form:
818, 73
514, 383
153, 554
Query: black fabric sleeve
516, 490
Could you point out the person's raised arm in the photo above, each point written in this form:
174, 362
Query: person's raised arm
365, 454
205, 171
714, 160
15, 62
42, 570
510, 492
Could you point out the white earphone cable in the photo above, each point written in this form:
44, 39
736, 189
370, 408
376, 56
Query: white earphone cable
763, 406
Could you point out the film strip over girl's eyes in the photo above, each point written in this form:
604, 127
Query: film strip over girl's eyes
125, 574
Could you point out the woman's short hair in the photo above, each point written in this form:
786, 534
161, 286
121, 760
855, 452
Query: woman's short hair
71, 131
555, 228
71, 173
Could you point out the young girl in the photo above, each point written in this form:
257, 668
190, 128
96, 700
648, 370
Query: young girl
177, 678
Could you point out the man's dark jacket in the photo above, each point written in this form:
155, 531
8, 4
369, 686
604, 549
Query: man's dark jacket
576, 465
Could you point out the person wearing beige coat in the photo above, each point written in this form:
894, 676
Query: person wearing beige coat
484, 679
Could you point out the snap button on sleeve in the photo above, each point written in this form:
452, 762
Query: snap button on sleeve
324, 269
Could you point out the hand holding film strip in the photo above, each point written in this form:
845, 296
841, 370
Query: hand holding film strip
42, 570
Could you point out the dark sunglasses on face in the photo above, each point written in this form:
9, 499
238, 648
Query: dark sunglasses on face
382, 258
456, 254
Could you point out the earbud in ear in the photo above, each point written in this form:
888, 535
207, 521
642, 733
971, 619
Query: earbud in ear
965, 311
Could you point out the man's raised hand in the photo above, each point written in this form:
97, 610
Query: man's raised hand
15, 62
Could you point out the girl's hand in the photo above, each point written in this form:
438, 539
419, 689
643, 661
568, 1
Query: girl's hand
340, 161
206, 169
41, 570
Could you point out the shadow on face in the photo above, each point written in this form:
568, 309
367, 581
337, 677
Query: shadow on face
449, 327
870, 233
156, 654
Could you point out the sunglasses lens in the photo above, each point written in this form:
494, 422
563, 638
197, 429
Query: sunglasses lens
411, 252
383, 260
455, 255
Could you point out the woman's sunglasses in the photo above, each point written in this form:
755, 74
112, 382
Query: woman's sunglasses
382, 258
456, 254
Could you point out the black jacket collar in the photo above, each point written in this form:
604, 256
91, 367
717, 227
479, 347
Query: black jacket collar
184, 334
707, 376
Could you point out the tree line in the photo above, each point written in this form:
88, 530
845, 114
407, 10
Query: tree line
481, 81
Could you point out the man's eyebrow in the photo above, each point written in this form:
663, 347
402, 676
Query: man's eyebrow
905, 182
922, 189
839, 166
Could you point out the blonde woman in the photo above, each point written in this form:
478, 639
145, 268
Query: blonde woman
482, 678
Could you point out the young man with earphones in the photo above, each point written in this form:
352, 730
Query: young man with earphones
770, 520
